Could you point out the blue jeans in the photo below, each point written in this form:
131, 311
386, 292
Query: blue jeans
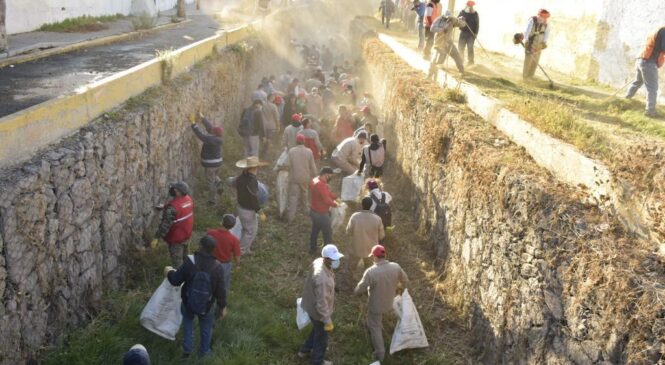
320, 222
647, 75
205, 325
466, 41
227, 267
316, 343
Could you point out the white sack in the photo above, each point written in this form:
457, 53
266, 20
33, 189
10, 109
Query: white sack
237, 229
282, 191
302, 318
351, 186
282, 161
409, 332
337, 216
162, 313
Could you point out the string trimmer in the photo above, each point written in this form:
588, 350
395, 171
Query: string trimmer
518, 38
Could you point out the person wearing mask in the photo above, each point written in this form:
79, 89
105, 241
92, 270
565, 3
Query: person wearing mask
322, 199
302, 169
536, 35
227, 248
387, 7
270, 123
177, 222
432, 11
291, 131
343, 127
312, 140
289, 110
419, 8
380, 282
467, 36
318, 300
211, 154
315, 103
202, 280
248, 207
373, 157
366, 230
650, 60
348, 153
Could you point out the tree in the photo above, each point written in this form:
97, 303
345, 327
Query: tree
181, 8
3, 31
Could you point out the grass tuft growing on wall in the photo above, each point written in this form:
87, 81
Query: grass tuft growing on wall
85, 23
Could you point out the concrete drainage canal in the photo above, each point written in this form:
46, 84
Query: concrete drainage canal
507, 265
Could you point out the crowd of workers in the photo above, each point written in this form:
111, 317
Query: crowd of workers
303, 121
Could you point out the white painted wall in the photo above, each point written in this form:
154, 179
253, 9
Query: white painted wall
29, 15
592, 39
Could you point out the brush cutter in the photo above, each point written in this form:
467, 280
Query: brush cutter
518, 38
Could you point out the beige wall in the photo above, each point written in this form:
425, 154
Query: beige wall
596, 40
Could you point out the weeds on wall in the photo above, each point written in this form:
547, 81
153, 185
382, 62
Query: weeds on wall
85, 23
167, 60
144, 21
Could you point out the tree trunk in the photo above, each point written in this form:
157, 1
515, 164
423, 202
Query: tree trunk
3, 31
181, 8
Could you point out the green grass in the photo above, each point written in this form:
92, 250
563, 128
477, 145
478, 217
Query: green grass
85, 23
260, 326
144, 21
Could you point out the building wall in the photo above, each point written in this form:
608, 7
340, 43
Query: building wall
595, 40
29, 15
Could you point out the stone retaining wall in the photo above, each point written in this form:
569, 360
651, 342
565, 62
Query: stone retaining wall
71, 217
542, 277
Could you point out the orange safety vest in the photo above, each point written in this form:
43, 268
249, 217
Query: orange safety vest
652, 43
183, 225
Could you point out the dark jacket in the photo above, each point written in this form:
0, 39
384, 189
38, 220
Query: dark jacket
247, 187
211, 151
257, 117
472, 20
204, 262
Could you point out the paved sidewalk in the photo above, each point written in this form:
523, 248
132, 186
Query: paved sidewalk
23, 43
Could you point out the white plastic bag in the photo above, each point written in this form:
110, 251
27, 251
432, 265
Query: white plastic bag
351, 186
282, 161
237, 229
302, 318
162, 314
282, 191
337, 216
409, 332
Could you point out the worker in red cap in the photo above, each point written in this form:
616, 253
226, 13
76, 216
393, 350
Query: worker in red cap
302, 169
368, 117
468, 34
380, 282
291, 131
536, 35
211, 154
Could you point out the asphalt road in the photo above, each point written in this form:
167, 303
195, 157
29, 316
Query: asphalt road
31, 83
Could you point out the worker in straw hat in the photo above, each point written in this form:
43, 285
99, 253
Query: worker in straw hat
247, 187
536, 35
380, 282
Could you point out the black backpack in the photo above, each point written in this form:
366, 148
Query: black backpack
383, 210
199, 291
245, 128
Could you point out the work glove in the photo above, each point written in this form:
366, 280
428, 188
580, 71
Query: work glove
328, 327
192, 118
543, 46
167, 270
154, 243
262, 217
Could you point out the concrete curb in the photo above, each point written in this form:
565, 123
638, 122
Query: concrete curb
14, 60
561, 159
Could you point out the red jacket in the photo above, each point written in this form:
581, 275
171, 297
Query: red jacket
322, 198
227, 246
183, 225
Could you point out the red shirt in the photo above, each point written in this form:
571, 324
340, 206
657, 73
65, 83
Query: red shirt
322, 198
227, 246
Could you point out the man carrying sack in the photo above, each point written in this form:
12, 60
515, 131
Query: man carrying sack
380, 281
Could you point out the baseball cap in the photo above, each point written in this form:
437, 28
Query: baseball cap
377, 251
331, 252
296, 117
300, 138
